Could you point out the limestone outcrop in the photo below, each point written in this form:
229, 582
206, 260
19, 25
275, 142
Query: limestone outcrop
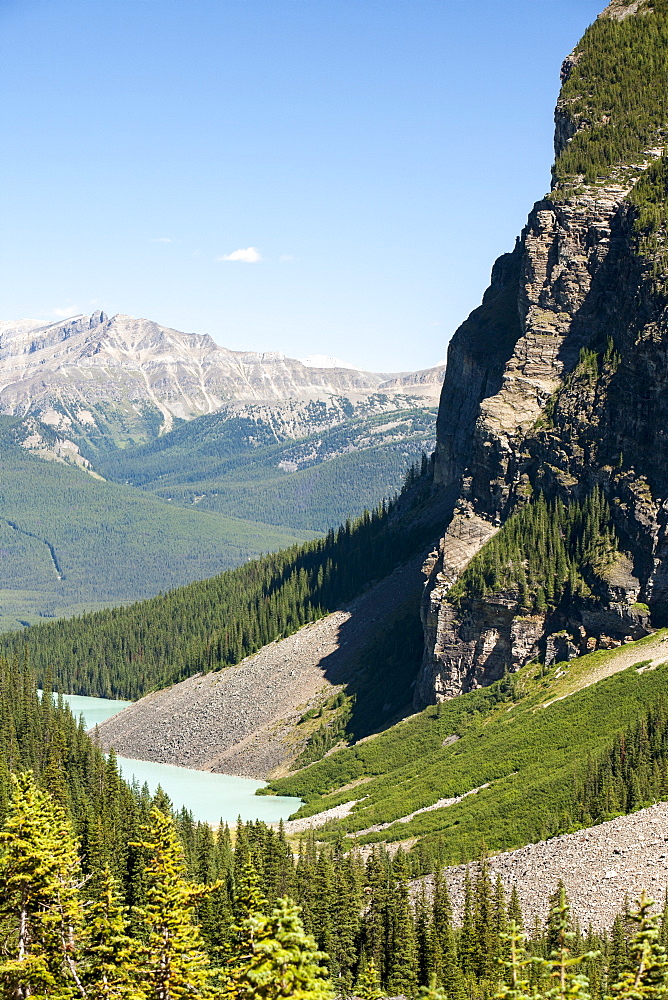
124, 380
557, 383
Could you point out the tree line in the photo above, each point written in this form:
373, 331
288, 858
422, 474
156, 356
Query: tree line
221, 930
126, 652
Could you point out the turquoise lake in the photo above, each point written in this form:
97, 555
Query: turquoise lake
210, 797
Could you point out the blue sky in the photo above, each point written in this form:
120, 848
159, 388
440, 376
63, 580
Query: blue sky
375, 155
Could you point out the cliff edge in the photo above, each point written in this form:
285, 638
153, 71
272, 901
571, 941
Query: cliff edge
551, 433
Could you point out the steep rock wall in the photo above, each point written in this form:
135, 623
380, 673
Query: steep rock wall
521, 413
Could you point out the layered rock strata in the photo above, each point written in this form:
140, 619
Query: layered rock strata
126, 379
521, 414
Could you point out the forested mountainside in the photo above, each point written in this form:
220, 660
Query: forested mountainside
541, 752
307, 465
550, 429
254, 438
125, 652
555, 391
127, 901
70, 542
550, 457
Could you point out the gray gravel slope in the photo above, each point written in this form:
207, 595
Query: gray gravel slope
240, 720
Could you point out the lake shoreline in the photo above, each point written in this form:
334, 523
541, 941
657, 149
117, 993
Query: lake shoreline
212, 797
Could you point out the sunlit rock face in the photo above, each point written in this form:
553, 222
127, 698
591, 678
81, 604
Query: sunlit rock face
522, 414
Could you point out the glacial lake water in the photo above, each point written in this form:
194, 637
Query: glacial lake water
210, 797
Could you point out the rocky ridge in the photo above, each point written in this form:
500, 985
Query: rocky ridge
127, 379
521, 413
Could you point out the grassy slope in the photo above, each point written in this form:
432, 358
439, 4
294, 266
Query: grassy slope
112, 543
212, 463
528, 746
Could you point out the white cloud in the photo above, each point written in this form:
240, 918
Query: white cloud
248, 255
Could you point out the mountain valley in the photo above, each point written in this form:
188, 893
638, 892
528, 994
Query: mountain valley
464, 683
260, 450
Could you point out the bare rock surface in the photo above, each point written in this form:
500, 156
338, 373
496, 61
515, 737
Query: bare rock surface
534, 402
598, 866
312, 822
241, 720
440, 804
87, 374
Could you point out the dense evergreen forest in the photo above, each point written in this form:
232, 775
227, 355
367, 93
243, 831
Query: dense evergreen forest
544, 551
214, 915
70, 542
102, 889
125, 652
248, 467
616, 95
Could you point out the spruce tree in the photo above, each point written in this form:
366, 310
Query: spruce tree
172, 963
423, 939
515, 909
368, 986
111, 968
563, 966
445, 966
402, 968
618, 959
467, 933
283, 961
483, 920
647, 979
39, 895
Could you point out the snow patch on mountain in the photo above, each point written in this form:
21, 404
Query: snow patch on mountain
324, 361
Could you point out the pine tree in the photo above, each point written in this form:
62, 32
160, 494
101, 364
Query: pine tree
515, 909
173, 963
39, 895
402, 960
111, 965
467, 939
648, 977
284, 961
445, 965
368, 986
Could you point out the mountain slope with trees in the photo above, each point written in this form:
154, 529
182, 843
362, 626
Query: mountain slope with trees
305, 466
70, 542
556, 388
125, 652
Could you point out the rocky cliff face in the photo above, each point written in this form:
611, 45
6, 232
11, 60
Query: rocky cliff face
557, 383
123, 379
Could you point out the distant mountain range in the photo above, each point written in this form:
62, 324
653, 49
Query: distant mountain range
261, 449
107, 382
